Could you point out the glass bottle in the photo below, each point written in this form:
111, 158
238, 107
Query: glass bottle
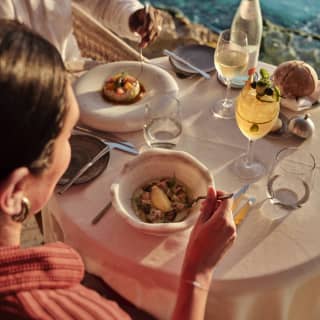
248, 19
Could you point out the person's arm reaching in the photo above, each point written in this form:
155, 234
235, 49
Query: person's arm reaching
127, 18
212, 235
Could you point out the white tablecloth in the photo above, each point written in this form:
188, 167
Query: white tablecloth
271, 272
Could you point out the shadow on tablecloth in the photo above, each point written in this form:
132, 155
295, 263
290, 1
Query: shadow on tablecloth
97, 284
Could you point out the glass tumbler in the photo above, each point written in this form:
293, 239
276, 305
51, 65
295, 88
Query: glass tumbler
162, 123
290, 179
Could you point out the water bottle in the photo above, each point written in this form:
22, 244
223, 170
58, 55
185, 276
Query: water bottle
248, 19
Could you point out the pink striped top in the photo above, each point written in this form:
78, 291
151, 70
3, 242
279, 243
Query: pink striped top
44, 283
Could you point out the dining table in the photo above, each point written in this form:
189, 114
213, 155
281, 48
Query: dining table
272, 271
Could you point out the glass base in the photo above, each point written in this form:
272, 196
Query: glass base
164, 145
249, 171
235, 83
238, 82
223, 109
273, 211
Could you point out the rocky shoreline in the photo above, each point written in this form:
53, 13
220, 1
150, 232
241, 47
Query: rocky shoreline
279, 44
178, 30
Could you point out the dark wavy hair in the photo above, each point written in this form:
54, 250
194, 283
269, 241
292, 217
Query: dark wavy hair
32, 98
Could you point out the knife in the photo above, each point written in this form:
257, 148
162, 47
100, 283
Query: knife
126, 147
122, 147
101, 213
242, 212
185, 62
237, 196
107, 136
84, 168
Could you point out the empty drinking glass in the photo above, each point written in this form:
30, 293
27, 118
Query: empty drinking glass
162, 125
290, 180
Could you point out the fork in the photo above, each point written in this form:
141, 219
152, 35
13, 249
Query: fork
107, 136
141, 57
112, 145
223, 197
84, 168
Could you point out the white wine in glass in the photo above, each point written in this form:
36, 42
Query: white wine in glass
230, 62
257, 111
231, 59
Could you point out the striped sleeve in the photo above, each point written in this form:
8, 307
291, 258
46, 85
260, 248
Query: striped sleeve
73, 303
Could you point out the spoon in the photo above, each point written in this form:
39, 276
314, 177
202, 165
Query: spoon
223, 197
141, 57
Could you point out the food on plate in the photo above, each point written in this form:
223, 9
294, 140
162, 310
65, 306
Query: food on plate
122, 88
295, 79
162, 200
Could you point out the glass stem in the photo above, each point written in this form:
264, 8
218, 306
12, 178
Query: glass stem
249, 157
226, 102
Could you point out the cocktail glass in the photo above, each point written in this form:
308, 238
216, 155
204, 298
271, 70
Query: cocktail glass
255, 117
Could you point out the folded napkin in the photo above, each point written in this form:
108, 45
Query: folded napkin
302, 103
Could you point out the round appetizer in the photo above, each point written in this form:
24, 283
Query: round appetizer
162, 200
122, 88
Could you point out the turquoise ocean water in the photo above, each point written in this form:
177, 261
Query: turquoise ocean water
277, 46
218, 14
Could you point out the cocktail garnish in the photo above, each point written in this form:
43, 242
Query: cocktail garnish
265, 90
254, 127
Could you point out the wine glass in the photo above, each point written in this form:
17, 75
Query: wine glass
230, 59
162, 122
255, 116
289, 181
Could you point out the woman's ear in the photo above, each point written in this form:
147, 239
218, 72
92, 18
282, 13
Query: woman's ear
11, 191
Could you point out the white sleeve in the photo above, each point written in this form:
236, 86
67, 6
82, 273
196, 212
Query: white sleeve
114, 14
50, 18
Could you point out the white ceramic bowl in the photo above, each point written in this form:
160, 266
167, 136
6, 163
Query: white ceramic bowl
157, 163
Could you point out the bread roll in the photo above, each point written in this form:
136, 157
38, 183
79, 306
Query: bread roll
295, 79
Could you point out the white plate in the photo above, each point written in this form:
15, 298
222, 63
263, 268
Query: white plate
100, 114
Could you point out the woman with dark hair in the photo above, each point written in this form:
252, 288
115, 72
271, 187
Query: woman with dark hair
37, 113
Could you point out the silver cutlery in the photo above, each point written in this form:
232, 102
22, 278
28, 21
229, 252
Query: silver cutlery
101, 213
141, 57
84, 168
223, 197
129, 148
241, 191
108, 136
187, 63
121, 147
236, 195
105, 209
241, 212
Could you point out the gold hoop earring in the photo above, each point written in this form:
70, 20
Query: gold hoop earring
25, 209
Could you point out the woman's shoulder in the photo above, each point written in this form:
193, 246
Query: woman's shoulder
52, 266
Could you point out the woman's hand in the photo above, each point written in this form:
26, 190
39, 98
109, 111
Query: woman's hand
212, 235
147, 23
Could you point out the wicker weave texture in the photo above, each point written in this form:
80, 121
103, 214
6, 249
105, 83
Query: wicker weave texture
97, 42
